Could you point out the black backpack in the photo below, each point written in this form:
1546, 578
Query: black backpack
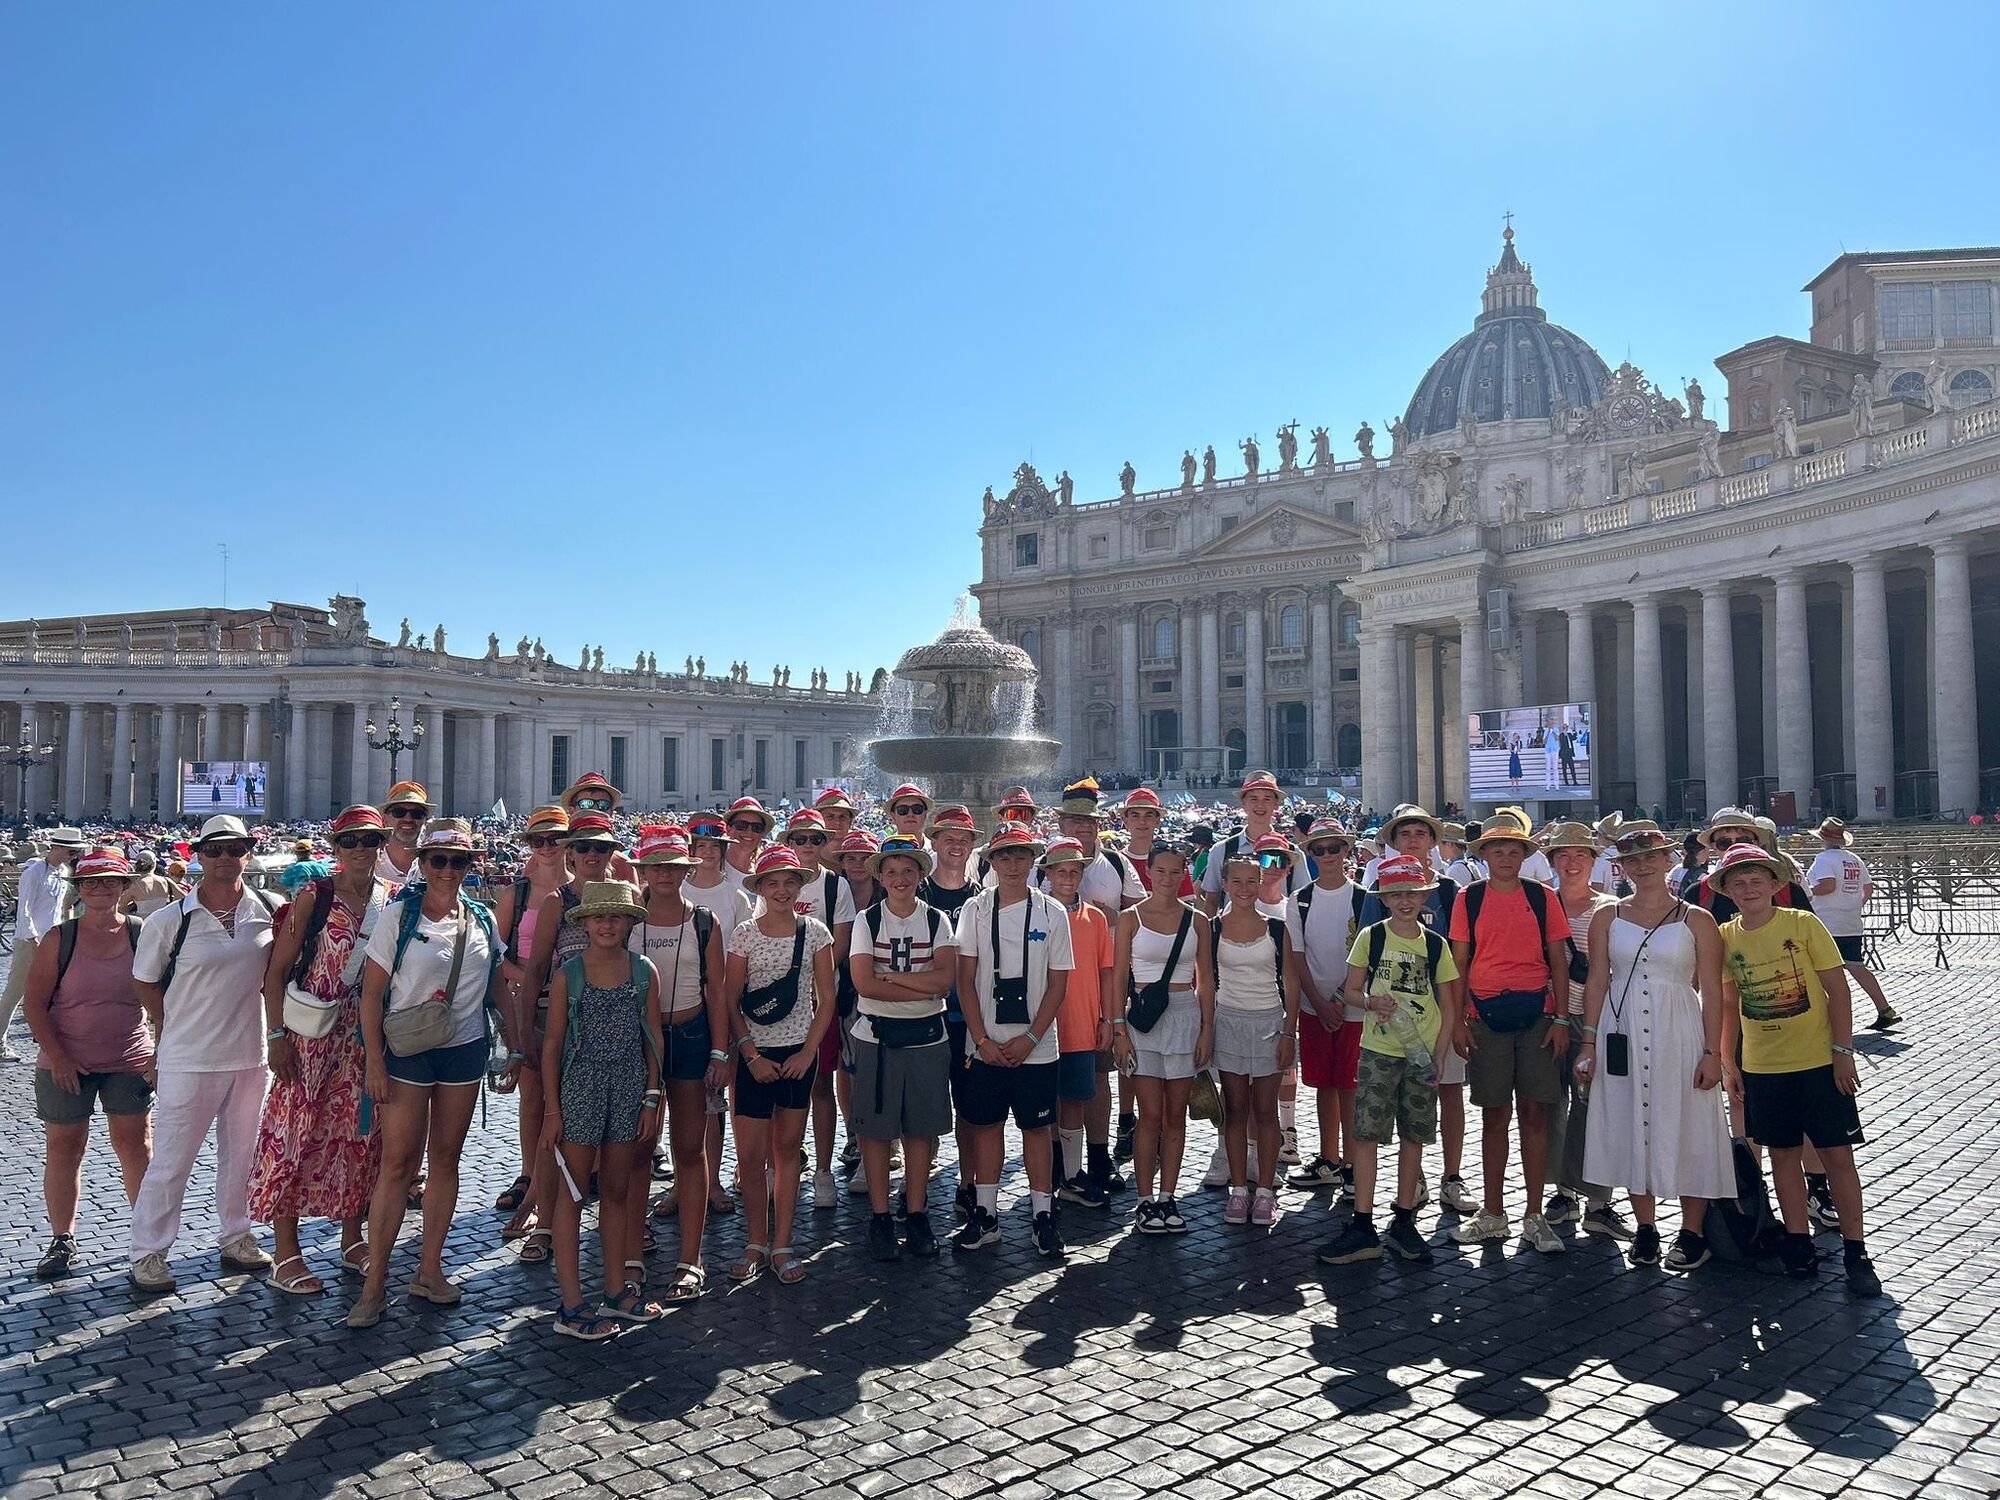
166, 978
1278, 942
66, 944
1475, 897
1305, 900
1743, 1228
1378, 943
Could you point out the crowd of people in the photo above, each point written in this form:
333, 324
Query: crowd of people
1627, 1012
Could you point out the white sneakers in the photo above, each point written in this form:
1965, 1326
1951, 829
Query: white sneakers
1217, 1174
826, 1192
1536, 1231
149, 1273
243, 1253
1481, 1227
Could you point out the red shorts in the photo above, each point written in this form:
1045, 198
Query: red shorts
1329, 1059
829, 1051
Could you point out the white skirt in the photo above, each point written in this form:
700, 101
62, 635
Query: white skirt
1167, 1051
1246, 1041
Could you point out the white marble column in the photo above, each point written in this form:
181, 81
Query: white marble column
426, 762
1718, 697
170, 760
298, 791
1529, 625
1954, 683
1868, 694
1768, 623
1131, 755
1649, 715
1321, 670
211, 732
1795, 723
1211, 675
359, 782
1059, 634
121, 761
253, 732
1582, 656
75, 735
484, 793
1696, 712
1402, 659
1254, 754
1381, 716
1473, 696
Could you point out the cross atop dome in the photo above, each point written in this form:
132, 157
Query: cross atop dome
1510, 285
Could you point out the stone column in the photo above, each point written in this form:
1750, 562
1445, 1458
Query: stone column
1254, 754
253, 732
170, 760
1529, 624
1060, 635
1473, 695
1211, 674
1321, 670
1768, 624
483, 792
1795, 738
1649, 714
298, 802
1621, 679
426, 762
1954, 685
211, 731
1868, 695
1696, 717
1582, 656
1381, 718
74, 736
1403, 759
1131, 755
358, 779
1718, 697
121, 761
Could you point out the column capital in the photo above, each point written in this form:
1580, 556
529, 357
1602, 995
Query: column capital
1871, 562
1584, 611
1649, 602
1950, 546
1724, 590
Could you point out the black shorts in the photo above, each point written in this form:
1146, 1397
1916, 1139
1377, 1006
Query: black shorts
1850, 949
686, 1057
954, 1035
757, 1101
1781, 1111
990, 1092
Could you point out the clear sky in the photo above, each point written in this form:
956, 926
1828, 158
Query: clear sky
700, 328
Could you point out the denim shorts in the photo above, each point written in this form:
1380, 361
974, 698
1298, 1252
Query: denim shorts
456, 1066
1076, 1076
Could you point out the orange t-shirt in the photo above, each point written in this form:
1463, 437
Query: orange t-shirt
1090, 943
1510, 953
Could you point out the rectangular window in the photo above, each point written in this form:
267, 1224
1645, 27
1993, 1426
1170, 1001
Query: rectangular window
1163, 687
761, 763
670, 765
1229, 524
1904, 309
718, 764
558, 764
1028, 550
619, 761
1157, 538
1233, 680
1350, 674
798, 763
1965, 312
1100, 548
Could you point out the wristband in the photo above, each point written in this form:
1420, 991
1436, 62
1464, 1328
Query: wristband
716, 1054
514, 1057
745, 1043
1840, 1051
646, 1104
1119, 1023
278, 1034
1589, 1030
1559, 1020
651, 1096
1034, 1040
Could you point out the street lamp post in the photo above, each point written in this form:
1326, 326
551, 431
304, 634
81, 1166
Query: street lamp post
392, 738
27, 755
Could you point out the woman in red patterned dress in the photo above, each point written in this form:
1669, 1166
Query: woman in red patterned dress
317, 1153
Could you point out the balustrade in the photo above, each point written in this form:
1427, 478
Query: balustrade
1677, 503
1816, 468
1607, 518
1737, 488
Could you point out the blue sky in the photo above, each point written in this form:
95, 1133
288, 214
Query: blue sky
700, 329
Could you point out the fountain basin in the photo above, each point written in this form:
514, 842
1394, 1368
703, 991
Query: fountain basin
1015, 757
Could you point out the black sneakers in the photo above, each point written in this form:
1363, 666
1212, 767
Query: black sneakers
1358, 1241
1800, 1259
964, 1201
1170, 1216
882, 1237
1128, 1126
1147, 1220
1048, 1241
1861, 1277
1405, 1239
1645, 1249
979, 1230
918, 1237
1690, 1252
57, 1259
1082, 1190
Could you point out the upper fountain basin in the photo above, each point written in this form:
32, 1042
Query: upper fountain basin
1016, 756
966, 648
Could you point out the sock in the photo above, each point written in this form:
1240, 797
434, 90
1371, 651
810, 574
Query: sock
1072, 1151
1041, 1203
1855, 1249
988, 1194
1287, 1114
1365, 1221
1399, 1213
1100, 1160
1598, 1200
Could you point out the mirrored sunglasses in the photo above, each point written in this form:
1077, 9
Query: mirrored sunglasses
593, 804
1017, 815
1272, 860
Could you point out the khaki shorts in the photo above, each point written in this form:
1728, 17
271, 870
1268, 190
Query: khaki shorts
1506, 1064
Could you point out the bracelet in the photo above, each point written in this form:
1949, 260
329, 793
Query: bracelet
1841, 1051
514, 1057
1559, 1020
1033, 1040
277, 1034
716, 1054
1118, 1022
746, 1042
649, 1103
1590, 1030
652, 1095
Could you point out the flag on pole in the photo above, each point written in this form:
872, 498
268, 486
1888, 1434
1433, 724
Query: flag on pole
499, 809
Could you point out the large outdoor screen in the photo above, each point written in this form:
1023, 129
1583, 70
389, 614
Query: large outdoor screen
1539, 754
223, 786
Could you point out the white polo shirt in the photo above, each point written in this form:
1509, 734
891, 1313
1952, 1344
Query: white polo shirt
212, 1020
1048, 950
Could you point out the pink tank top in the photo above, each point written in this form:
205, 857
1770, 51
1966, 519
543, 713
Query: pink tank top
96, 1012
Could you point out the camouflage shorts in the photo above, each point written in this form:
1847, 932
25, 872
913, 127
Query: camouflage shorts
1388, 1099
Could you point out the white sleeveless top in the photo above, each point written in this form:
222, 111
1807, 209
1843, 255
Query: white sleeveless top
1150, 950
1247, 975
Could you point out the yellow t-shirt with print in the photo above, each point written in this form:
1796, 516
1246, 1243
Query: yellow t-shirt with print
1405, 973
1786, 1028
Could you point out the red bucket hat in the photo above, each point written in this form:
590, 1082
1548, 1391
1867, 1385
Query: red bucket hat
805, 820
859, 842
776, 860
909, 791
752, 807
1010, 837
360, 815
953, 818
1404, 872
1143, 796
101, 864
834, 797
590, 828
1259, 781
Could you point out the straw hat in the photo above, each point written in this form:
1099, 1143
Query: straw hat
774, 861
1747, 856
750, 807
449, 835
1405, 872
1837, 829
897, 847
1329, 828
1143, 798
1640, 837
1063, 852
708, 825
351, 819
593, 786
592, 828
663, 846
953, 817
550, 819
836, 798
1569, 836
221, 826
607, 898
858, 842
1730, 817
67, 838
1016, 799
1010, 838
1259, 781
1408, 812
1508, 825
408, 794
1276, 843
909, 791
1080, 799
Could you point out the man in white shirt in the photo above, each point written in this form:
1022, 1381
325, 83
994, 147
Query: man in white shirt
199, 971
1260, 796
43, 890
1840, 888
1010, 991
403, 814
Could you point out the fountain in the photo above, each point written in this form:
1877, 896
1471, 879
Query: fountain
978, 696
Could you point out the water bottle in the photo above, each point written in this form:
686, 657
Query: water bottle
1403, 1027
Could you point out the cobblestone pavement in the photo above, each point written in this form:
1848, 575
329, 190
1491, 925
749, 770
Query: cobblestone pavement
1221, 1364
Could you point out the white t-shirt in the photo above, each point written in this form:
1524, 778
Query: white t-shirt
719, 898
675, 954
1104, 885
1323, 936
812, 896
1048, 950
903, 946
427, 965
766, 959
1604, 875
385, 869
1236, 846
212, 1020
1839, 908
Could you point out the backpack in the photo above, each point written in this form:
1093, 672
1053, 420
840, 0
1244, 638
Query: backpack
1305, 900
1475, 897
322, 890
412, 898
166, 979
66, 944
573, 978
1742, 1228
1278, 943
1378, 944
873, 917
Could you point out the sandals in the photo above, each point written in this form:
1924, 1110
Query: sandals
354, 1259
648, 1243
690, 1280
303, 1284
518, 1228
635, 1273
753, 1260
510, 1200
668, 1204
438, 1293
580, 1322
791, 1270
631, 1306
538, 1245
414, 1198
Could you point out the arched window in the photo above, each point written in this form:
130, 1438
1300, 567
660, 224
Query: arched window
1909, 386
1347, 751
1163, 637
1292, 626
1347, 635
1100, 646
1971, 388
1031, 642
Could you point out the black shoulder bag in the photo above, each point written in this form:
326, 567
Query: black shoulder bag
768, 1004
1146, 1003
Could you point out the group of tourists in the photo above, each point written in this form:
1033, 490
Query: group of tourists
1624, 1030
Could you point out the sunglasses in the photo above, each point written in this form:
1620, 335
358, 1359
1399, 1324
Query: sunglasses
447, 861
708, 831
900, 846
402, 813
806, 840
546, 841
1325, 851
99, 882
224, 851
594, 804
1272, 861
746, 825
358, 841
909, 810
1017, 815
1730, 840
591, 848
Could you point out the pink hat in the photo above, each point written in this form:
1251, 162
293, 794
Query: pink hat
663, 846
360, 815
1259, 781
1404, 872
858, 842
776, 860
909, 791
1143, 796
1329, 828
101, 864
1746, 857
833, 797
1275, 843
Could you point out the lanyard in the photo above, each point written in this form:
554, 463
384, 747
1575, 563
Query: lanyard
1027, 913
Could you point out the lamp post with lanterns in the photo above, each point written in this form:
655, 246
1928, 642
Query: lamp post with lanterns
392, 738
27, 755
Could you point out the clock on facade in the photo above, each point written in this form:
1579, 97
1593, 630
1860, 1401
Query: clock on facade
1628, 412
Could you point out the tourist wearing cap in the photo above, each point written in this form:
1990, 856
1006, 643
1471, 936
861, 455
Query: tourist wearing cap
1162, 953
1840, 889
150, 888
516, 916
1142, 816
42, 891
1321, 920
1574, 1199
909, 805
431, 975
96, 1049
904, 958
684, 942
200, 973
1653, 1027
404, 812
1403, 975
1083, 1032
954, 835
1014, 962
1509, 940
1260, 797
1256, 1027
1788, 1053
779, 991
603, 1050
313, 1158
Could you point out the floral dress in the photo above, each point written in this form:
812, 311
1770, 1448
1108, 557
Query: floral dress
313, 1162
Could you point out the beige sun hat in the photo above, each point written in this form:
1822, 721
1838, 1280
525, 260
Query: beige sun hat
607, 898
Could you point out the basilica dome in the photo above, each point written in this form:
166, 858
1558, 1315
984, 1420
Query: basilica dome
1514, 365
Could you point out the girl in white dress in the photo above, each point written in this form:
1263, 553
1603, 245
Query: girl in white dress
1653, 1022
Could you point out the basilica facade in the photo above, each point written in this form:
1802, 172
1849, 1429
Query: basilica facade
1788, 596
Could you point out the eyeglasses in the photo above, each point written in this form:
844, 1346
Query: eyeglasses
593, 804
746, 825
447, 861
357, 841
707, 831
545, 841
401, 813
223, 851
909, 810
591, 848
805, 840
99, 882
